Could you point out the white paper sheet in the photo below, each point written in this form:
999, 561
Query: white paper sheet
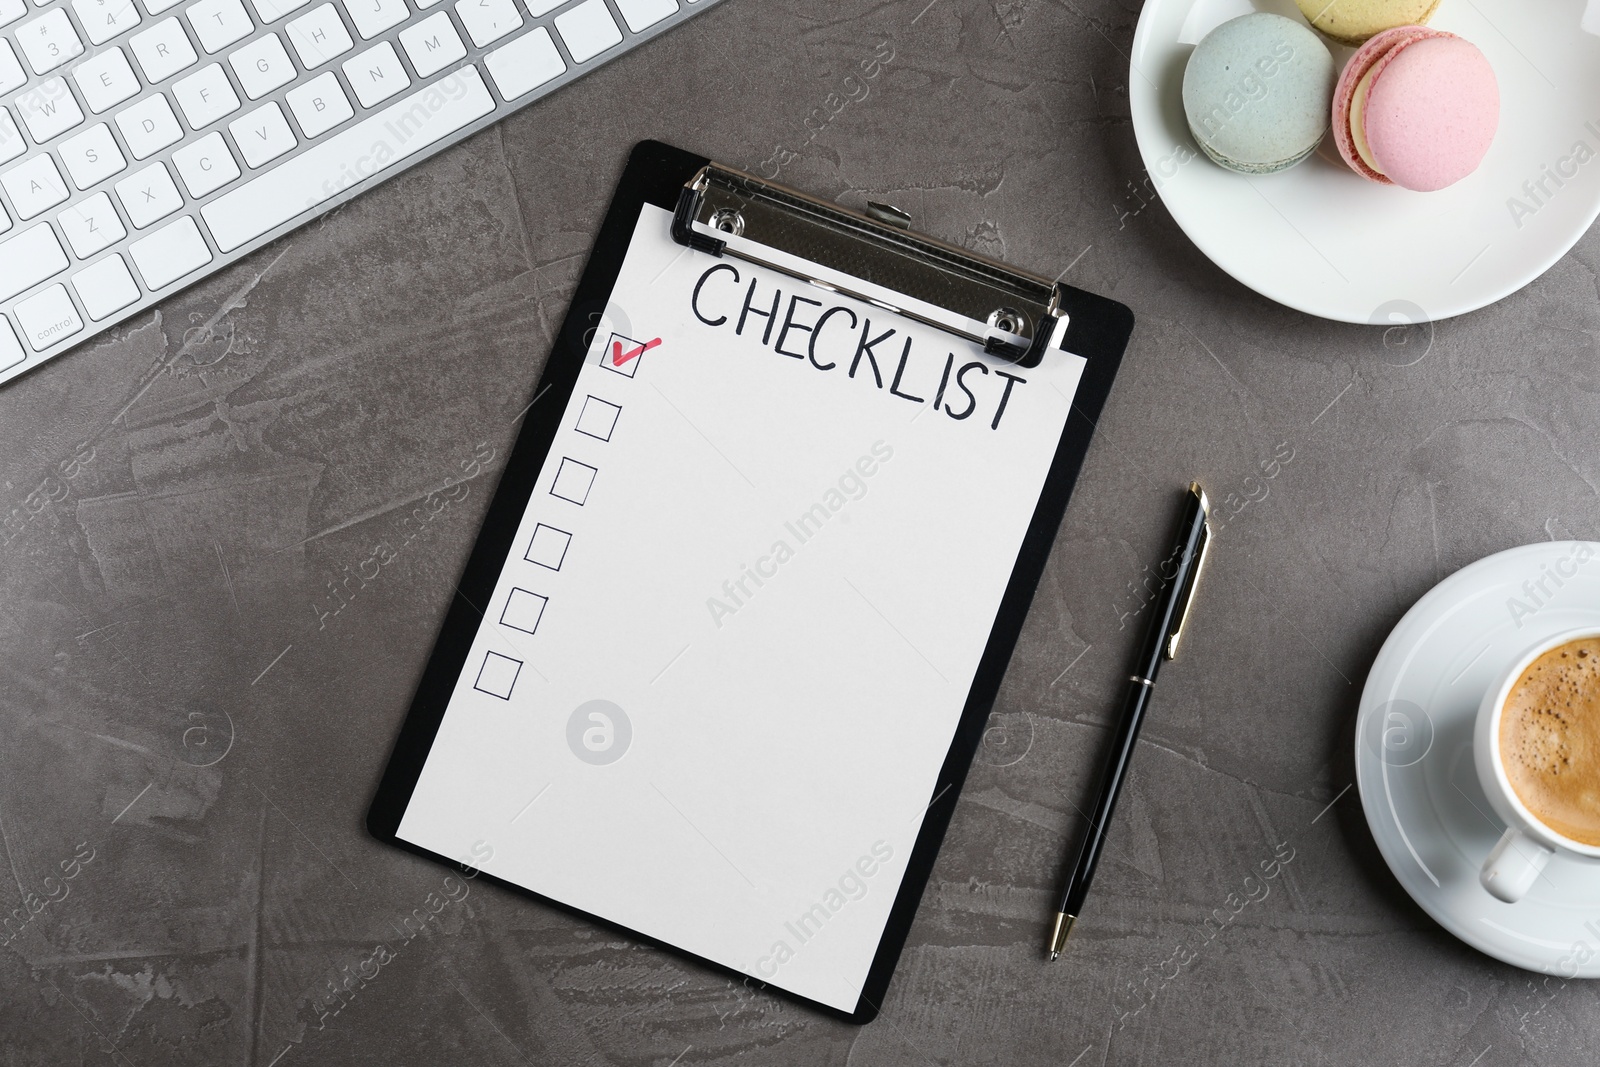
772, 581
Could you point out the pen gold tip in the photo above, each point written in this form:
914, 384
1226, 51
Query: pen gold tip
1054, 956
1060, 932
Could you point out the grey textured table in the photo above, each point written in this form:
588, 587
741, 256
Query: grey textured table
199, 695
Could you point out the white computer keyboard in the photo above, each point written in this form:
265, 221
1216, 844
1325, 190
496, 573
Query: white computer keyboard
147, 143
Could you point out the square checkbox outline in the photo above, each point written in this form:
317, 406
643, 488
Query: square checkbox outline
560, 470
528, 555
616, 412
631, 367
515, 674
511, 599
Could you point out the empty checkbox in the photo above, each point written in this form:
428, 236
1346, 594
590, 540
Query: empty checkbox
523, 611
497, 675
598, 418
573, 480
548, 546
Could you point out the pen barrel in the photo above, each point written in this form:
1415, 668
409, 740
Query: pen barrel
1175, 573
1094, 837
1178, 573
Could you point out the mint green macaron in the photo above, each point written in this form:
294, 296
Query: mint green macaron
1257, 92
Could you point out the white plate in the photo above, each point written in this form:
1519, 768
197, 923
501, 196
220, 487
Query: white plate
1414, 764
1321, 239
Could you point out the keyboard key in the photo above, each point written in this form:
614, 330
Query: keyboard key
12, 75
5, 220
149, 126
11, 352
205, 96
49, 109
376, 75
105, 80
640, 14
372, 17
48, 318
49, 41
487, 20
365, 149
156, 7
263, 135
170, 253
219, 23
149, 195
262, 66
34, 185
91, 225
525, 64
205, 165
432, 44
92, 156
11, 143
319, 36
28, 259
273, 10
104, 19
319, 105
11, 11
106, 287
588, 30
162, 50
543, 7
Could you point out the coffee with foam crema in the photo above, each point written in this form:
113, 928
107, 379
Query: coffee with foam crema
1550, 739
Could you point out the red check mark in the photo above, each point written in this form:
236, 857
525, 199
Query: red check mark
619, 357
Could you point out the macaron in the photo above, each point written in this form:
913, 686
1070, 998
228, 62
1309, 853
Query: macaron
1417, 108
1256, 93
1353, 21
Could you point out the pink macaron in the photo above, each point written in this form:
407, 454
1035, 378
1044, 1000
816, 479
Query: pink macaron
1417, 108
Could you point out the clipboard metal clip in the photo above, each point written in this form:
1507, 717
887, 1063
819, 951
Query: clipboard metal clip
1011, 314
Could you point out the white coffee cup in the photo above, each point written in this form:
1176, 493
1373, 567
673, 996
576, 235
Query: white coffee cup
1515, 863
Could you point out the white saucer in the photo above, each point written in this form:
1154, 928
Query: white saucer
1414, 756
1321, 239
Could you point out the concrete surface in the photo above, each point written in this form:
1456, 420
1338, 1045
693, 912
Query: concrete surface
183, 704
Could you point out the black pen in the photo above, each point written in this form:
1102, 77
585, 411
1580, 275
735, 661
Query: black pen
1161, 643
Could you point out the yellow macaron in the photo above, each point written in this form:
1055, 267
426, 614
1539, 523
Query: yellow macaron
1351, 22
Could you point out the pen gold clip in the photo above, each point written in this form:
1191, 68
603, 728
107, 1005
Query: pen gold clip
1194, 573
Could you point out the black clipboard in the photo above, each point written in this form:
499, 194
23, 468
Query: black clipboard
1097, 329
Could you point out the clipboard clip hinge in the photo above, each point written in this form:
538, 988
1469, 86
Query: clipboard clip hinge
1011, 314
683, 230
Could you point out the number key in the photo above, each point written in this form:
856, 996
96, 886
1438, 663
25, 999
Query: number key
49, 41
104, 19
